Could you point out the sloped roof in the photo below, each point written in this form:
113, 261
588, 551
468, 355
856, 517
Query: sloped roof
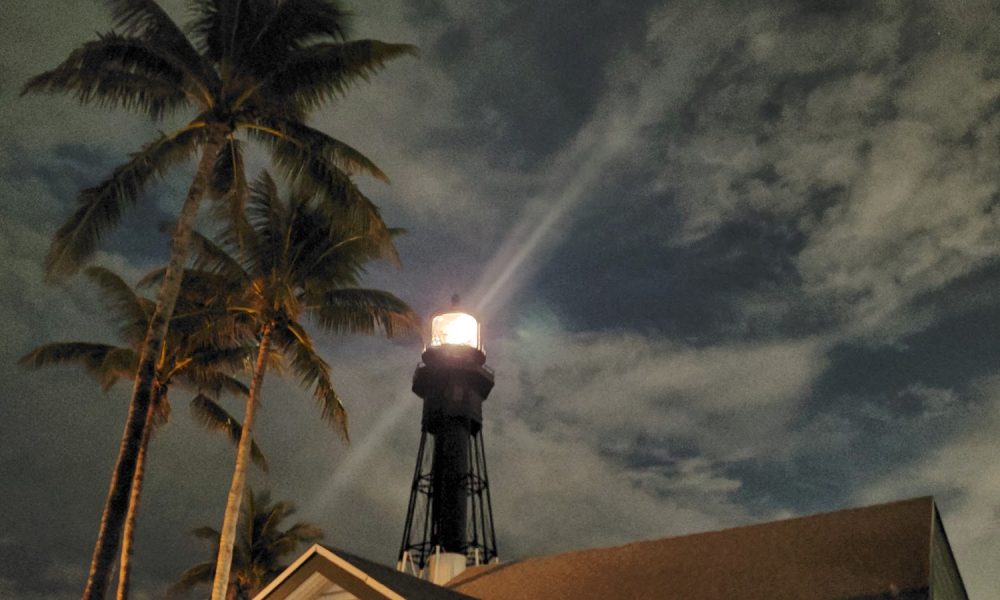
320, 565
849, 554
408, 586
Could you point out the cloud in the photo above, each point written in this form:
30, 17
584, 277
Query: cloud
589, 499
626, 392
964, 477
871, 148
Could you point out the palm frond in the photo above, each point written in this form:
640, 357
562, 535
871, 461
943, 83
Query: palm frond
206, 533
312, 175
199, 574
267, 216
325, 256
202, 317
222, 27
205, 332
272, 517
211, 258
225, 358
205, 28
365, 311
209, 381
141, 17
100, 207
118, 364
132, 310
315, 143
89, 356
203, 324
339, 260
231, 385
332, 409
147, 20
304, 532
215, 418
230, 192
107, 364
118, 71
313, 372
297, 534
321, 72
199, 285
291, 25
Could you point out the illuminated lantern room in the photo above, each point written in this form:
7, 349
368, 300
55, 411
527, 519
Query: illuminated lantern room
455, 328
455, 337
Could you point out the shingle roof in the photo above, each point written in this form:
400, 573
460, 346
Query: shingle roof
408, 586
857, 553
321, 567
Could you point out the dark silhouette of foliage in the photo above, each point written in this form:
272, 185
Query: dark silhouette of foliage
250, 67
261, 548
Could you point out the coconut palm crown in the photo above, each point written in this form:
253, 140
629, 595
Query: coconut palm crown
256, 66
294, 261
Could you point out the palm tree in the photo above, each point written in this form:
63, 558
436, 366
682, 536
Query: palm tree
293, 259
190, 358
256, 66
261, 546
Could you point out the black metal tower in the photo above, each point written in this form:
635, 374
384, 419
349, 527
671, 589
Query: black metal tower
450, 509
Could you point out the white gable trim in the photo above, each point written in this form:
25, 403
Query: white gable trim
318, 559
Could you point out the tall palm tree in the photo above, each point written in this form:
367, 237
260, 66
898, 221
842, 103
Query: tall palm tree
191, 357
260, 548
295, 258
253, 66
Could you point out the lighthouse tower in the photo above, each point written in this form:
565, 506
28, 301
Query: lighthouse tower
449, 519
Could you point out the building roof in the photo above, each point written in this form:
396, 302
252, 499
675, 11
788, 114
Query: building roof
404, 584
322, 568
873, 552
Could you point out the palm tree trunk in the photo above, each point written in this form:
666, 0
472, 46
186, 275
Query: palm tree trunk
128, 533
116, 504
227, 537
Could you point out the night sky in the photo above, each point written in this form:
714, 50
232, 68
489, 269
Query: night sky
735, 261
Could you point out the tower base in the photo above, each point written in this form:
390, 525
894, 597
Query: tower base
430, 548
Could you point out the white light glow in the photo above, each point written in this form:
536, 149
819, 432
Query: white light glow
455, 328
547, 219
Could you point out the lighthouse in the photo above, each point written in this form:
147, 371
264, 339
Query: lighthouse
449, 518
